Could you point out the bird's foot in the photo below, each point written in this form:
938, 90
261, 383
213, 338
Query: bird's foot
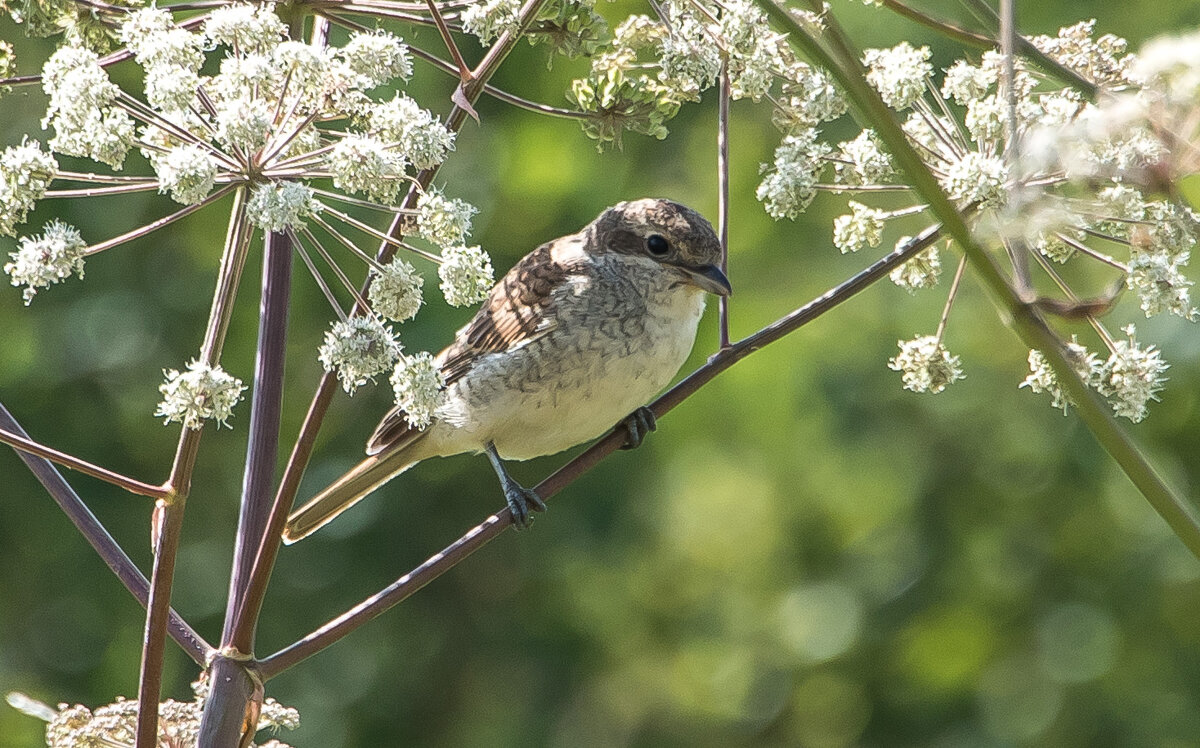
638, 423
522, 502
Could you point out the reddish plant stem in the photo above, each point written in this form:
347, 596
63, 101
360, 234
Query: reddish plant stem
104, 544
167, 519
23, 444
230, 695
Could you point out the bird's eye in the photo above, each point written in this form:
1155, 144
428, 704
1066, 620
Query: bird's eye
657, 245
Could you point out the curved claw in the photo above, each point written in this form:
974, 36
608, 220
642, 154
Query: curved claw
639, 423
522, 502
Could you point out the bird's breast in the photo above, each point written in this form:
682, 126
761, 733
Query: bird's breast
615, 344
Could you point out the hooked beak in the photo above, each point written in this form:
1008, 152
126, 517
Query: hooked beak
709, 278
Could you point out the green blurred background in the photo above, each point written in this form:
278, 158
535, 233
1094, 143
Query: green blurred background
804, 554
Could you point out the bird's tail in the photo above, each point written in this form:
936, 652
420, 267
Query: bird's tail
345, 492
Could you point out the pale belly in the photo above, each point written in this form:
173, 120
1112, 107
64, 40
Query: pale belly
558, 393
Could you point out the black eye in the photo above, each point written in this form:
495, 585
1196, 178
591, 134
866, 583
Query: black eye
657, 245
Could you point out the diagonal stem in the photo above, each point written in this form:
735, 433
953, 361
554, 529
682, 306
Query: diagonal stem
842, 60
103, 543
491, 527
464, 70
167, 520
21, 442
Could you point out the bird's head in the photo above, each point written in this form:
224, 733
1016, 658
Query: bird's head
667, 233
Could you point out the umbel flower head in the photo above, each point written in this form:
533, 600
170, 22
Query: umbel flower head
202, 392
1061, 183
49, 258
230, 104
926, 365
273, 116
359, 349
417, 385
115, 725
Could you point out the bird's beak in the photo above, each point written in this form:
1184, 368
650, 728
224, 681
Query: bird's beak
710, 278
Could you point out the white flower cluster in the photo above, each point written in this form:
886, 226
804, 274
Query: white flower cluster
1130, 378
83, 111
115, 724
359, 349
42, 260
417, 385
395, 292
862, 227
364, 164
444, 221
925, 365
791, 183
1043, 379
899, 73
490, 18
25, 173
466, 275
201, 393
188, 172
922, 271
277, 206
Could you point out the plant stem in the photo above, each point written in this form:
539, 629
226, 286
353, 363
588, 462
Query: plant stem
723, 196
230, 696
168, 515
22, 443
843, 62
102, 542
491, 527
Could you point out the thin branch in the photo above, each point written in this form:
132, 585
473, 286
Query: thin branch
102, 542
167, 523
1037, 56
950, 297
24, 444
487, 530
723, 196
159, 223
500, 94
120, 189
464, 71
1012, 135
838, 55
237, 241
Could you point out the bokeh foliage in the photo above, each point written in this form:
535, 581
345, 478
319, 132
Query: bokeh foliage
803, 554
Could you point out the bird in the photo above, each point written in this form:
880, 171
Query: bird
571, 343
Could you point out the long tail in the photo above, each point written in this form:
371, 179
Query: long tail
345, 492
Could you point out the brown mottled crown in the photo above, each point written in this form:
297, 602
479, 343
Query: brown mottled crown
625, 227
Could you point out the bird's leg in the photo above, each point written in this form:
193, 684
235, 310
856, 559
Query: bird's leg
520, 499
638, 423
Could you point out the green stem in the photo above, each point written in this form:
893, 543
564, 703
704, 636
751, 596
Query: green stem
842, 61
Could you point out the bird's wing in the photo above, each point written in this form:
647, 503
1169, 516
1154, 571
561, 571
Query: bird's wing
518, 311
